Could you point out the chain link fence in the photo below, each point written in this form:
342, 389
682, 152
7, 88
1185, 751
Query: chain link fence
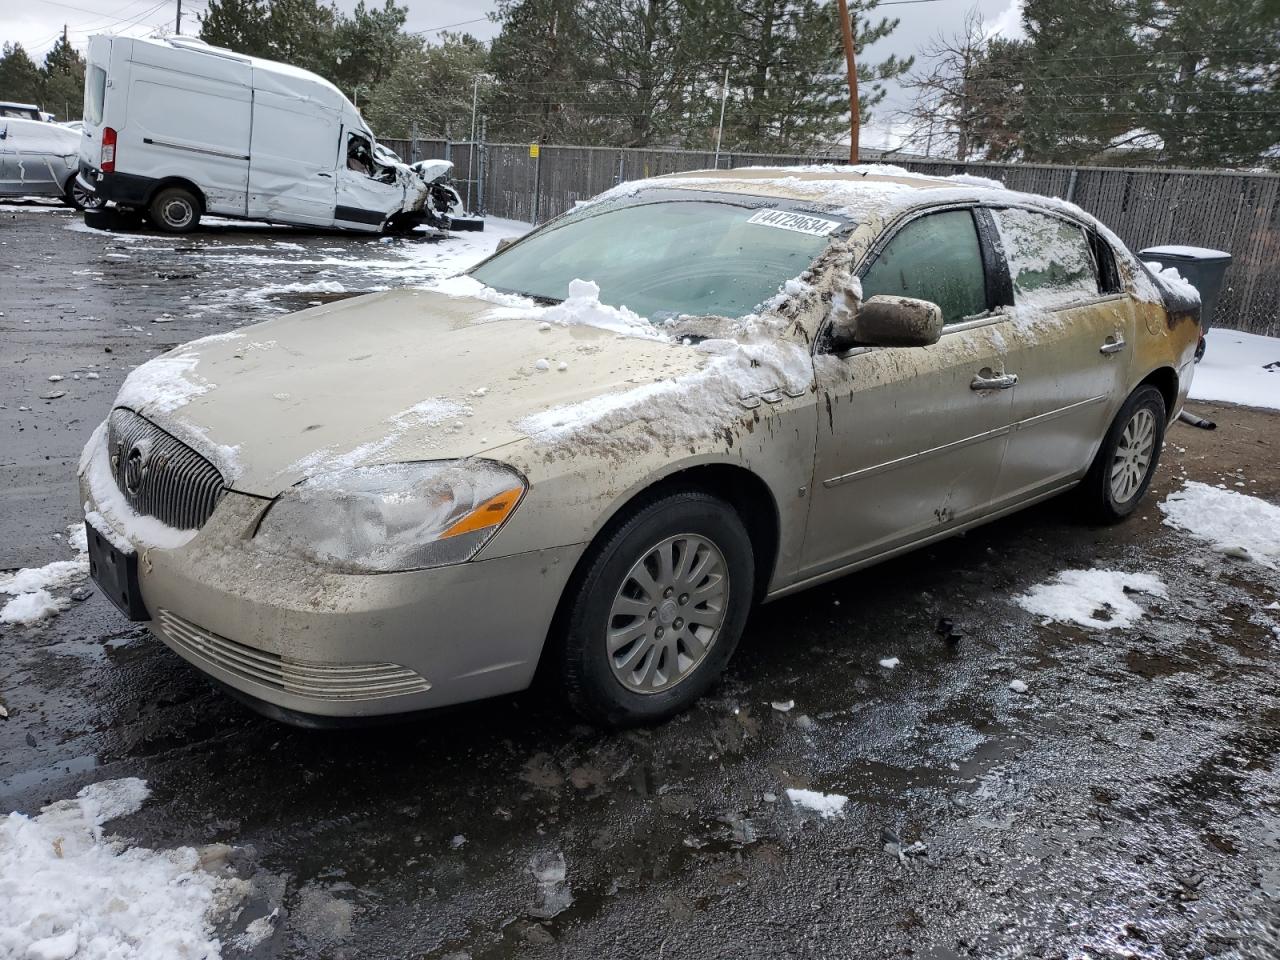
1235, 212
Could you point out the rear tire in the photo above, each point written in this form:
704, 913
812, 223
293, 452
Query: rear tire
1126, 462
174, 210
656, 610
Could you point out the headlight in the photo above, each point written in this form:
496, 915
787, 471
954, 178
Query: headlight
400, 516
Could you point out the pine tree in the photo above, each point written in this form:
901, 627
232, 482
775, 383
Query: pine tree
540, 61
62, 89
430, 86
19, 76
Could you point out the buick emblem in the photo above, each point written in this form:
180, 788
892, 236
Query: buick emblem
135, 469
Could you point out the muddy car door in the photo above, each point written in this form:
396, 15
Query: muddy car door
1070, 343
910, 439
368, 192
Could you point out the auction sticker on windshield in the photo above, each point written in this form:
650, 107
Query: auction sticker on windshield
799, 222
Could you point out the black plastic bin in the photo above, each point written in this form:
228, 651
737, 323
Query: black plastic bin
1201, 267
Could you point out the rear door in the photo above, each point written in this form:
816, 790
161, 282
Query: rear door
910, 440
1070, 343
291, 169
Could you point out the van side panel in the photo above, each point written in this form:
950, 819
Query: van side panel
189, 116
291, 173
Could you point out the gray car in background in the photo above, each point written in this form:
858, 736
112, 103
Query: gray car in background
39, 159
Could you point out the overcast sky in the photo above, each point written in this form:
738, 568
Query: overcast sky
37, 23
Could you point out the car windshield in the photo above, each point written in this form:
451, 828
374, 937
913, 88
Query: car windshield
666, 258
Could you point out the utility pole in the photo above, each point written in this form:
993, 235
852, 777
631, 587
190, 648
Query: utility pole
471, 150
846, 31
177, 27
724, 95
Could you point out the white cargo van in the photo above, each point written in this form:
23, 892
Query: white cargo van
177, 128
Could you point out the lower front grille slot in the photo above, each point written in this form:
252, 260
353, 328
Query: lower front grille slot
304, 678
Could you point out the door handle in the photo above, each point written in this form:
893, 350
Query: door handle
1112, 345
328, 175
986, 380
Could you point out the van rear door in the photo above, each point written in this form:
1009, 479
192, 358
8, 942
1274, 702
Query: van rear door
189, 117
291, 170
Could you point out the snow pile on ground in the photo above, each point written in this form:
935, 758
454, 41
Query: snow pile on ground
1092, 598
1239, 368
113, 516
827, 804
582, 308
1234, 523
67, 891
696, 405
31, 587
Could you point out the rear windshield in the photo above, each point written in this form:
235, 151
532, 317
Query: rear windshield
95, 91
667, 258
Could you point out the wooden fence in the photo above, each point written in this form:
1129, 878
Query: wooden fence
1235, 212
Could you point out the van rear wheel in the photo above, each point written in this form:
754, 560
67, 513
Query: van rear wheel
175, 210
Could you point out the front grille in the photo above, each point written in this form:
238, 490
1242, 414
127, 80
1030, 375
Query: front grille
304, 678
159, 475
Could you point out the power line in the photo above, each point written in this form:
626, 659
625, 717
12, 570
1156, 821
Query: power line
460, 23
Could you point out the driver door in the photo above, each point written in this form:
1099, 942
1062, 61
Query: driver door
365, 202
910, 440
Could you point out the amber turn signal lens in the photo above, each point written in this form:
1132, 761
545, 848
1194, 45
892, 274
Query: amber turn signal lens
489, 514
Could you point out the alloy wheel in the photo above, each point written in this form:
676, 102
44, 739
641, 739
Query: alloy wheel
667, 613
1132, 458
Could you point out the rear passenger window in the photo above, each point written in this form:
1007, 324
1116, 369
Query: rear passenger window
1050, 260
935, 258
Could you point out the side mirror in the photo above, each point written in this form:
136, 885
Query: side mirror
504, 243
883, 321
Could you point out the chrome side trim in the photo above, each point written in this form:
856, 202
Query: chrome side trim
916, 457
1060, 412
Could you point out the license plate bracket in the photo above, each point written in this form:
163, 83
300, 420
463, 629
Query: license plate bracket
115, 571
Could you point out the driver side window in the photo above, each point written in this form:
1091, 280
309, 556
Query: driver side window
935, 258
359, 154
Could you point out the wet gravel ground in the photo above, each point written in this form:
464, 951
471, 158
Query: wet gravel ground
1126, 805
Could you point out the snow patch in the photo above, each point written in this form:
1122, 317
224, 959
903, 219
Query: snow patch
694, 405
66, 891
1239, 368
582, 308
1169, 279
827, 804
30, 587
890, 662
429, 412
1233, 523
1092, 598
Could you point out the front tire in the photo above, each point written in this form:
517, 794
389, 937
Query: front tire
175, 210
1126, 462
657, 610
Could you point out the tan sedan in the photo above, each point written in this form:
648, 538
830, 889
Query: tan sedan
604, 445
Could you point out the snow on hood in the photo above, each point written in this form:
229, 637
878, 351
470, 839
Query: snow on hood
696, 405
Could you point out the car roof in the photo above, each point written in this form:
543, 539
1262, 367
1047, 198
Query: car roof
750, 176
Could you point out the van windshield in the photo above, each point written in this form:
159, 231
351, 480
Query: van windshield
95, 92
666, 258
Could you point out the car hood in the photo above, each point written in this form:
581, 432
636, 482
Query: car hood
403, 375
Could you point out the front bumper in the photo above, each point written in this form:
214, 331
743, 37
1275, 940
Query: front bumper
300, 642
